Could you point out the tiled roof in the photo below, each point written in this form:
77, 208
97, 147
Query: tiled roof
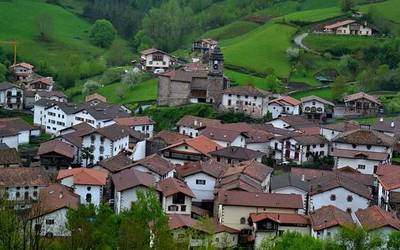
336, 180
23, 65
46, 80
151, 51
84, 176
156, 164
238, 153
286, 100
48, 94
375, 217
58, 147
362, 95
53, 198
184, 76
252, 168
310, 139
384, 169
210, 167
342, 126
330, 216
181, 221
117, 163
15, 123
316, 98
247, 90
288, 180
21, 176
7, 85
250, 199
365, 137
171, 186
221, 134
199, 211
348, 153
169, 137
197, 122
339, 24
389, 125
390, 182
130, 178
95, 96
9, 156
201, 143
281, 218
309, 173
113, 132
298, 121
238, 182
134, 121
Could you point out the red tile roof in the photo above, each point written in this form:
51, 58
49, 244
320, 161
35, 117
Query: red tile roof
134, 121
281, 218
257, 199
130, 178
330, 216
58, 147
171, 186
365, 137
348, 153
362, 95
375, 217
210, 167
21, 176
84, 176
169, 137
156, 164
339, 24
95, 96
23, 64
252, 168
197, 122
384, 169
201, 143
199, 211
390, 182
285, 100
180, 221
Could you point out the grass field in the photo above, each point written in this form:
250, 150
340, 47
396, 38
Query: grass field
260, 49
244, 79
326, 42
231, 30
313, 15
324, 93
389, 9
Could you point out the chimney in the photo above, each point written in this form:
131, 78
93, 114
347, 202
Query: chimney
303, 177
195, 122
61, 195
381, 119
392, 124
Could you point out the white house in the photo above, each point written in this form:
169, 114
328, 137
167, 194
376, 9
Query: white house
349, 27
304, 148
201, 178
152, 59
327, 221
288, 183
24, 130
225, 137
11, 96
284, 105
105, 142
22, 71
362, 149
330, 131
389, 188
245, 99
9, 137
49, 214
191, 125
297, 123
341, 191
142, 124
126, 185
176, 196
315, 107
87, 183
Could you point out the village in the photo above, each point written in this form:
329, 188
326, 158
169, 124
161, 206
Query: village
302, 170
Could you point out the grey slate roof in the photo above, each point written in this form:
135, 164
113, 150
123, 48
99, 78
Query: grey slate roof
288, 180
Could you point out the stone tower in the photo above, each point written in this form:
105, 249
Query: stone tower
217, 82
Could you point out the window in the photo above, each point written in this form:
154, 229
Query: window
368, 147
242, 220
102, 138
348, 210
49, 222
35, 193
354, 145
92, 138
322, 145
89, 188
183, 208
333, 197
88, 198
361, 167
349, 198
314, 146
17, 194
173, 208
178, 198
200, 182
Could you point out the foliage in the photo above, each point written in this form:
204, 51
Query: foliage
90, 87
274, 84
293, 53
102, 33
394, 241
356, 238
117, 54
87, 154
3, 72
132, 77
339, 87
45, 27
347, 5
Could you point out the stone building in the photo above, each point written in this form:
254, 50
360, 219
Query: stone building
180, 87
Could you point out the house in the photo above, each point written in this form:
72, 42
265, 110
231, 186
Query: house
87, 183
193, 149
233, 208
375, 219
22, 185
389, 189
191, 125
55, 155
314, 107
115, 164
225, 137
204, 45
9, 157
389, 126
201, 177
342, 191
41, 83
142, 124
95, 98
284, 105
245, 99
289, 183
296, 123
105, 142
271, 225
330, 131
127, 183
152, 59
9, 136
328, 220
162, 140
349, 27
31, 96
251, 176
233, 155
362, 103
24, 129
156, 166
180, 87
176, 196
11, 96
56, 116
362, 149
23, 71
49, 214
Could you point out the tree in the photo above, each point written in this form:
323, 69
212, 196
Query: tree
79, 223
10, 226
89, 87
102, 33
132, 77
347, 5
45, 27
293, 54
339, 87
356, 238
120, 92
394, 241
274, 84
3, 72
87, 153
117, 54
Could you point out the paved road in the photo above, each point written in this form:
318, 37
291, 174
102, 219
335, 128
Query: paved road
298, 40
